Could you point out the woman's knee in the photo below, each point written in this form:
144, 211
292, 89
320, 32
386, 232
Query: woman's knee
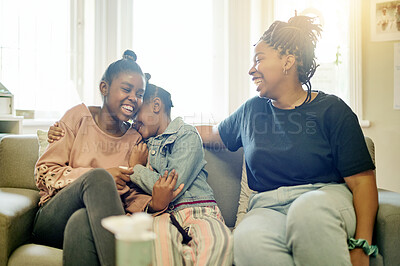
318, 209
260, 246
259, 235
99, 176
244, 243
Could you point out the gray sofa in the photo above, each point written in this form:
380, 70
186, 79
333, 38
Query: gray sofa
19, 198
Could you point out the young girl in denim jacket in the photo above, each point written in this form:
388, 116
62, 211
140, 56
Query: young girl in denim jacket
176, 146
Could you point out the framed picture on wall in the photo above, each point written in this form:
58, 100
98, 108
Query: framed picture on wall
385, 20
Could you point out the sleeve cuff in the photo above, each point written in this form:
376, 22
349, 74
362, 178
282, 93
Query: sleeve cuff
137, 171
154, 214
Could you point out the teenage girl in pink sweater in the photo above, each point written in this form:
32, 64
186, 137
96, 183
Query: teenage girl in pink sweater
80, 178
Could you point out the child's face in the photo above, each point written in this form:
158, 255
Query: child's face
147, 121
125, 96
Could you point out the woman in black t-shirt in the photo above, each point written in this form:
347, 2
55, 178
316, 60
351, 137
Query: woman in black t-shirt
306, 158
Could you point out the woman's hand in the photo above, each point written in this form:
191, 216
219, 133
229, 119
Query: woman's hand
120, 175
139, 155
55, 133
163, 191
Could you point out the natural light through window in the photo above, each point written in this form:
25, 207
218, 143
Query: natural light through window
53, 53
173, 41
332, 76
35, 55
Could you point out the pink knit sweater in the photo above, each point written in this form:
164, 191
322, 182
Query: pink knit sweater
84, 147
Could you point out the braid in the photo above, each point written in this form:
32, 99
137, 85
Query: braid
297, 37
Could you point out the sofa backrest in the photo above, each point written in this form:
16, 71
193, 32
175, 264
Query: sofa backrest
371, 148
18, 156
224, 175
19, 153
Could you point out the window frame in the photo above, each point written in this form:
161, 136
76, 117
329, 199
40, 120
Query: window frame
112, 23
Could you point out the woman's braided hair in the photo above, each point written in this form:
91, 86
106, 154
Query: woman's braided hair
297, 37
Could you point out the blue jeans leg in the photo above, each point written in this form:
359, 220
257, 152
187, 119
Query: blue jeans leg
299, 225
318, 225
78, 231
96, 192
260, 239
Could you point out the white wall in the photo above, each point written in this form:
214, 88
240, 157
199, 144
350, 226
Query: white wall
378, 69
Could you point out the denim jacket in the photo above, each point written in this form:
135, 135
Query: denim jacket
180, 148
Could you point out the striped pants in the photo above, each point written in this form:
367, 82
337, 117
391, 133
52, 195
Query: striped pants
211, 243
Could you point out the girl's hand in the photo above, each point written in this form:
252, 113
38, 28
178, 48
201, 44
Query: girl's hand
55, 133
120, 175
139, 155
163, 191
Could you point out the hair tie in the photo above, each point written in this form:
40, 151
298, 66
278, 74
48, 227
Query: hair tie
291, 27
147, 76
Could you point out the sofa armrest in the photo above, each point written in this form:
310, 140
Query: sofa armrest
387, 226
18, 208
18, 156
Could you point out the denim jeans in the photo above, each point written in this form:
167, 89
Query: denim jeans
72, 220
299, 225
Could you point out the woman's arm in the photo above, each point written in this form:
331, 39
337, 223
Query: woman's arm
210, 136
52, 170
365, 198
120, 174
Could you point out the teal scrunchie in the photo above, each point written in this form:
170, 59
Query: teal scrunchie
362, 243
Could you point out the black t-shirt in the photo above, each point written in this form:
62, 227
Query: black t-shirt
318, 142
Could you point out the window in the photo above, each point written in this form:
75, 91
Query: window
174, 43
332, 52
176, 47
200, 50
338, 51
35, 55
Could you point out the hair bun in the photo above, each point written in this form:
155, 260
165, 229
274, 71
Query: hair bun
129, 55
148, 77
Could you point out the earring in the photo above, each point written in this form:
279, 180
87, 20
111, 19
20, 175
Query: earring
285, 71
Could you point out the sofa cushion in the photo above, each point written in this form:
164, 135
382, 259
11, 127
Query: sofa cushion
42, 141
245, 193
18, 208
36, 255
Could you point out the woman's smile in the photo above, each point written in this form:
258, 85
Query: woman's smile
258, 82
127, 109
